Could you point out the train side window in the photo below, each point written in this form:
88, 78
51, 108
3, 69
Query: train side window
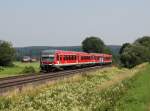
73, 57
67, 57
64, 57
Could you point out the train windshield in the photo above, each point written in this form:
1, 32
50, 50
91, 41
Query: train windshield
50, 59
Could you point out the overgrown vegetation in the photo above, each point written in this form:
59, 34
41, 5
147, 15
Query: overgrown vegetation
136, 53
75, 94
28, 69
78, 94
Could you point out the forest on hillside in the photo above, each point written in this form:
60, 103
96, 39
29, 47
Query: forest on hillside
35, 51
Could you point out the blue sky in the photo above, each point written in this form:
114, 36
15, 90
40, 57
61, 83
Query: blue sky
68, 22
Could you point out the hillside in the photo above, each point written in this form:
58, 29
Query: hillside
35, 51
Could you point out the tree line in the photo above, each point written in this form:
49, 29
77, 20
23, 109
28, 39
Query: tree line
130, 54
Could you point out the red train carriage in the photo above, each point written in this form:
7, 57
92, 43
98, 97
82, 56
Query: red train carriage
58, 59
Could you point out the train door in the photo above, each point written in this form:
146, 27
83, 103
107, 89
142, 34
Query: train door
101, 60
60, 59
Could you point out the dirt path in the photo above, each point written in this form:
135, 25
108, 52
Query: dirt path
120, 77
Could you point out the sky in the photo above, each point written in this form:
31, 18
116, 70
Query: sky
69, 22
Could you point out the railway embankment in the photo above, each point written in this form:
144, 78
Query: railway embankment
103, 89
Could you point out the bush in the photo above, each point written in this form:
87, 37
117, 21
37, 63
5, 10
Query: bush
136, 53
1, 68
7, 53
28, 69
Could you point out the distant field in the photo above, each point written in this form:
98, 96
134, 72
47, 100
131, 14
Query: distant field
17, 69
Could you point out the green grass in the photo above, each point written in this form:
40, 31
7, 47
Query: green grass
17, 69
137, 97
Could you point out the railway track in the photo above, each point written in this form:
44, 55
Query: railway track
19, 81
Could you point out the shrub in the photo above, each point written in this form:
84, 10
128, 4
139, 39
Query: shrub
1, 68
28, 69
7, 53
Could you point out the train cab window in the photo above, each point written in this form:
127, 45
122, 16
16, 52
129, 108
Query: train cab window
58, 57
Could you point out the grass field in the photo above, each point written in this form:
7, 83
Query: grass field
17, 69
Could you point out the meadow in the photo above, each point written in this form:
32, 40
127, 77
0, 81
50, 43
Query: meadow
105, 89
18, 68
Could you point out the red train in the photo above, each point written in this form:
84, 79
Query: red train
57, 59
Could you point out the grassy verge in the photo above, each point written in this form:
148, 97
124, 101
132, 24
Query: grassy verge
17, 69
137, 97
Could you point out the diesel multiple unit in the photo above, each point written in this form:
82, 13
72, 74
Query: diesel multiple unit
52, 60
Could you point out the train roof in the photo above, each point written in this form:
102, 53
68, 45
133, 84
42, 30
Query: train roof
74, 53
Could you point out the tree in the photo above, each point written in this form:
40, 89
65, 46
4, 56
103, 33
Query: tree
93, 45
144, 41
136, 53
123, 47
6, 53
107, 50
133, 55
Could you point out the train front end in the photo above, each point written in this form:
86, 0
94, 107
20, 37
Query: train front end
47, 60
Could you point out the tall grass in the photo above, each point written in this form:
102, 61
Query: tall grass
81, 94
137, 97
